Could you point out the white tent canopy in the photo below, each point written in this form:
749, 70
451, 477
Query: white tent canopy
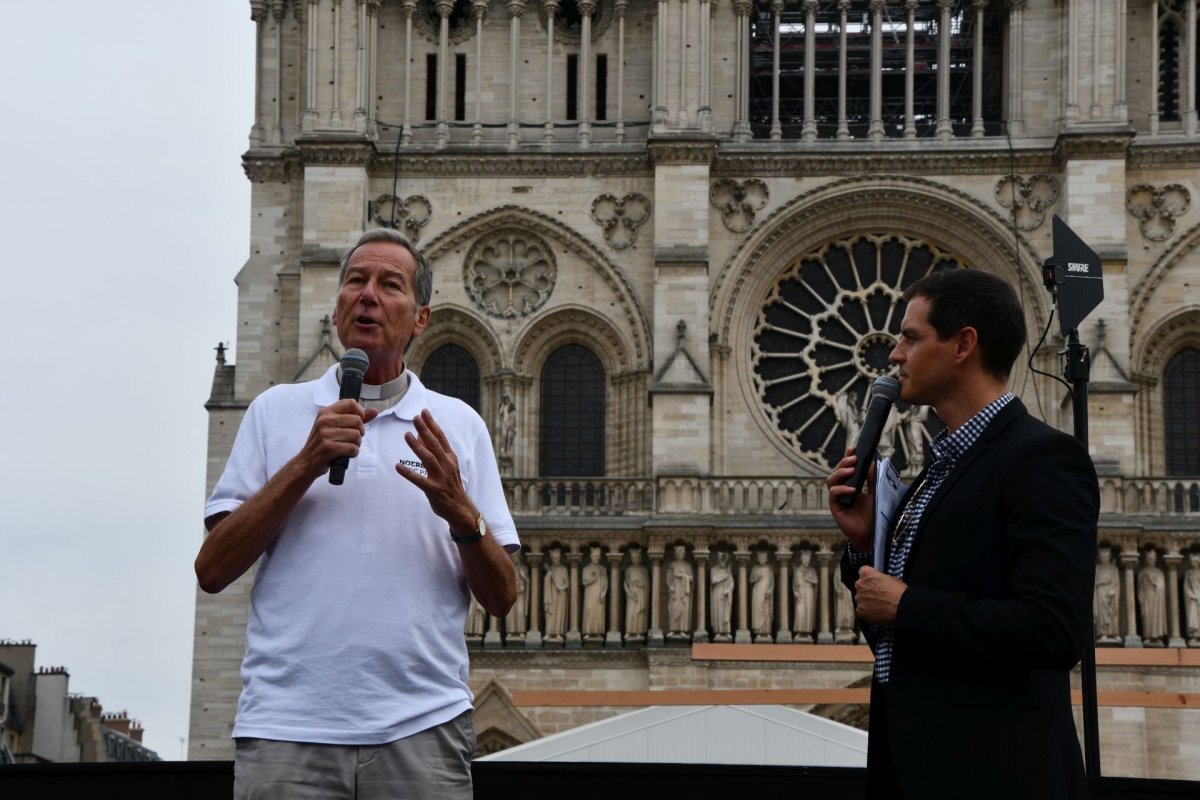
726, 734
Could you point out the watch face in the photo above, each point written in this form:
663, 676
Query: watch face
481, 525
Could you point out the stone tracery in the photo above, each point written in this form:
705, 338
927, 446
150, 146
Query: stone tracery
510, 273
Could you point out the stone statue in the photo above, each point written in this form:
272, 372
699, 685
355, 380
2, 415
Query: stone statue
915, 436
679, 593
595, 588
507, 427
849, 416
804, 590
1191, 600
637, 595
554, 596
1107, 599
887, 440
476, 619
515, 622
762, 595
844, 609
721, 594
1152, 596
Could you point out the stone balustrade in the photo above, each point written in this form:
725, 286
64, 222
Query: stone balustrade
750, 576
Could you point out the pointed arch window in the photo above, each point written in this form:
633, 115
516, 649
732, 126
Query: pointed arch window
451, 370
1181, 412
572, 414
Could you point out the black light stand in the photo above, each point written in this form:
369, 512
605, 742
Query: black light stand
1073, 276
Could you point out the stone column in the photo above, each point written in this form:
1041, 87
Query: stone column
410, 6
259, 15
824, 631
1072, 61
701, 634
335, 111
372, 66
741, 111
1187, 72
742, 636
310, 93
875, 132
1129, 562
944, 129
573, 640
776, 12
1172, 559
551, 7
783, 635
654, 637
515, 9
478, 11
683, 118
444, 9
843, 129
1120, 110
613, 637
1016, 66
977, 84
586, 9
621, 6
809, 131
660, 67
491, 639
278, 12
533, 634
361, 98
1154, 70
707, 9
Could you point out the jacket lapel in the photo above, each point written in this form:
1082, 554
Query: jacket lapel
1013, 409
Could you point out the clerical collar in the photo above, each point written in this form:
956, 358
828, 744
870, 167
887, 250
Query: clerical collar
394, 388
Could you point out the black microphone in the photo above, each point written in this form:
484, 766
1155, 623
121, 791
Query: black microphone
354, 364
884, 393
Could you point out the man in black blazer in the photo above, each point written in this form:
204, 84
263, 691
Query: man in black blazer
984, 603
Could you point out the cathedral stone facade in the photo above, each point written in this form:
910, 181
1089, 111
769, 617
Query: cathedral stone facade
669, 240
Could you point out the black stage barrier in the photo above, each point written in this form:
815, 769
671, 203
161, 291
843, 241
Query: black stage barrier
213, 780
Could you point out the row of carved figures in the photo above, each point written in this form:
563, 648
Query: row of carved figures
573, 598
1137, 604
720, 596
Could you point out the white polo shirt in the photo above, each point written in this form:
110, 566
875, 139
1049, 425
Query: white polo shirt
355, 633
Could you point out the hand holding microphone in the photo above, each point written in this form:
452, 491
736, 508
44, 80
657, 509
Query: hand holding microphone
354, 366
884, 393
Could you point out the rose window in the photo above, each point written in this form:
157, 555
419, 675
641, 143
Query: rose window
823, 336
510, 274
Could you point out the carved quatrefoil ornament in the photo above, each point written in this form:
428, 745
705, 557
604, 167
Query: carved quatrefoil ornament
1027, 199
739, 201
410, 214
620, 218
1156, 208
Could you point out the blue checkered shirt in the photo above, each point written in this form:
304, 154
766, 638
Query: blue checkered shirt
946, 452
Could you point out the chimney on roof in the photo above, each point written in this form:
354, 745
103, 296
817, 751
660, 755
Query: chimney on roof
118, 722
135, 731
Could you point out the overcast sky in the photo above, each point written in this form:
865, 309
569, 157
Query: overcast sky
124, 217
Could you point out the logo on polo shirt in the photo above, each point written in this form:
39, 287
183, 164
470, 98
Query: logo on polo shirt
415, 466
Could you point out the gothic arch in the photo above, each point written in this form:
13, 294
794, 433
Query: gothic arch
462, 235
952, 222
1151, 351
455, 325
1140, 297
573, 324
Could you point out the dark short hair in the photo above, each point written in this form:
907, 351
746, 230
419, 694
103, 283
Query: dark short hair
422, 280
972, 298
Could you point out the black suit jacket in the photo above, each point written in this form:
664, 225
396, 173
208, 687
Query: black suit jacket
996, 614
